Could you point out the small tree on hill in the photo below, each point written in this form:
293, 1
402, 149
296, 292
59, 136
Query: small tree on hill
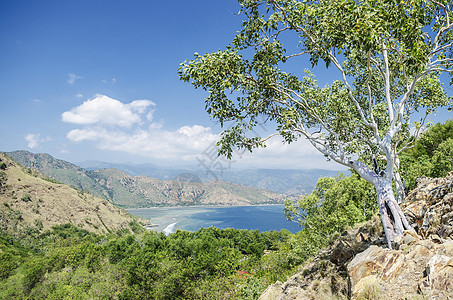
389, 56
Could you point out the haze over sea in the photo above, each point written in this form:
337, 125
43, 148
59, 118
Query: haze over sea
262, 217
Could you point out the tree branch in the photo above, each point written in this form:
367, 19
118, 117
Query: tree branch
387, 82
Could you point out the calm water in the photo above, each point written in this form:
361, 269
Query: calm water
263, 218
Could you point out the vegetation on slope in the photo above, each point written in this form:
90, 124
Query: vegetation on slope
69, 262
432, 156
211, 263
336, 203
60, 170
31, 204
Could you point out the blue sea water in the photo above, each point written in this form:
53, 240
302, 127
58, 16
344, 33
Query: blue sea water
263, 218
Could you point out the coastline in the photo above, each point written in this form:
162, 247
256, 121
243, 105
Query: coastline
192, 218
203, 206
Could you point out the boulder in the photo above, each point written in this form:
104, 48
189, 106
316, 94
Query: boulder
422, 263
424, 267
440, 277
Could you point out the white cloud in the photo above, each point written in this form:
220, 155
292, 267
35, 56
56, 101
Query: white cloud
108, 111
297, 155
78, 135
129, 128
115, 126
34, 140
154, 142
73, 77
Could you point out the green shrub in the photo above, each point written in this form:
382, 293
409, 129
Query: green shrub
431, 156
136, 227
52, 180
7, 264
26, 198
3, 178
38, 224
334, 204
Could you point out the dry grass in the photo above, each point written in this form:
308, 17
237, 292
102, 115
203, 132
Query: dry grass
28, 200
370, 290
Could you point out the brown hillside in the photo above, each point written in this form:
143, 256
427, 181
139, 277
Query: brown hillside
28, 201
144, 191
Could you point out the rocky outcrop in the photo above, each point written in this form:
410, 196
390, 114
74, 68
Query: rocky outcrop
429, 207
326, 275
423, 267
358, 265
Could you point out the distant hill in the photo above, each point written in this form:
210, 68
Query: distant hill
143, 191
30, 202
289, 182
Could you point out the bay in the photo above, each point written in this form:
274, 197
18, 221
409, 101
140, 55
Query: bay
262, 218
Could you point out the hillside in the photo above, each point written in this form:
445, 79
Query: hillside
60, 170
30, 202
142, 191
289, 182
214, 263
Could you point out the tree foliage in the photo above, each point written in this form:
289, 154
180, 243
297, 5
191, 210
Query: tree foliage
432, 155
374, 40
334, 204
388, 55
71, 263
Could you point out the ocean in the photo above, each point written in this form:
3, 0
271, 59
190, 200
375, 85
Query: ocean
263, 218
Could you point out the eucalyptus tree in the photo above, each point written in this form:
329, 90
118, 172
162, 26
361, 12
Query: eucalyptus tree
389, 56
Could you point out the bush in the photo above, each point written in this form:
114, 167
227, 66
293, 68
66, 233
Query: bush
26, 198
38, 224
136, 227
334, 204
3, 179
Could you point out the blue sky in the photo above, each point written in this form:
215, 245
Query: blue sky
97, 80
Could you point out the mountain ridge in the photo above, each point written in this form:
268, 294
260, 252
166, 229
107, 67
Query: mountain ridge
283, 181
129, 191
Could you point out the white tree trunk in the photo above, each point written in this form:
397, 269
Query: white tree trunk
392, 217
400, 192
